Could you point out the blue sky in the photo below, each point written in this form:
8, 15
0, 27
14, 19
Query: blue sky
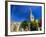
22, 12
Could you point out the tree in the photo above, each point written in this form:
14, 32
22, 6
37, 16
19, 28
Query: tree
33, 26
24, 24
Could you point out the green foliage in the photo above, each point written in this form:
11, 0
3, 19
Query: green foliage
24, 24
32, 23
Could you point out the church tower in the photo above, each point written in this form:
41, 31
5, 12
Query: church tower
31, 16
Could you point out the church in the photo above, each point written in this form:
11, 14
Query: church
17, 25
